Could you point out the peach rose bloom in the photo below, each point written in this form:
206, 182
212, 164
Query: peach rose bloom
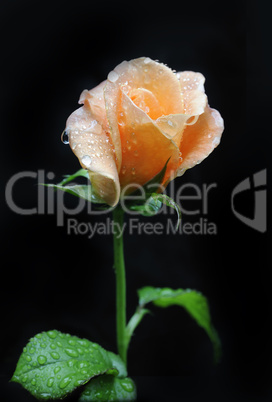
133, 122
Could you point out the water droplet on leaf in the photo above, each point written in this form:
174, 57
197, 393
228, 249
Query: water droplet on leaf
127, 385
57, 369
64, 382
52, 334
42, 359
50, 382
55, 355
71, 352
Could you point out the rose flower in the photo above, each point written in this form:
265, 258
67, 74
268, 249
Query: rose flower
137, 119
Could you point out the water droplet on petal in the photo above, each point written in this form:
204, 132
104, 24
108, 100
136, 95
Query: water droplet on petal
147, 60
216, 141
42, 359
113, 76
65, 137
86, 160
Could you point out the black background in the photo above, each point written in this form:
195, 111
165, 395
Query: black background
50, 52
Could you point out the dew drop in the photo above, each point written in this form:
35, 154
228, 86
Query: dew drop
32, 350
64, 382
33, 382
79, 382
57, 369
72, 342
45, 395
53, 346
86, 160
65, 137
50, 382
216, 141
28, 358
71, 352
82, 342
147, 60
133, 171
42, 359
55, 355
25, 378
83, 364
127, 385
52, 334
113, 76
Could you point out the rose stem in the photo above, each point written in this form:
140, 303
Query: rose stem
119, 266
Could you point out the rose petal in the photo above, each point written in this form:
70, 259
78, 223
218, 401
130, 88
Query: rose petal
140, 73
192, 90
189, 81
173, 125
145, 149
89, 141
200, 139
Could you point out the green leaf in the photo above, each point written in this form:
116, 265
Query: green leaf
53, 364
149, 208
79, 173
135, 321
194, 303
108, 388
79, 190
153, 205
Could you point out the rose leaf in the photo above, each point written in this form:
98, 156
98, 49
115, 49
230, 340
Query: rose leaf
54, 364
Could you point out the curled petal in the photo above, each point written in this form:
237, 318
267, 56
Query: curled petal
151, 78
173, 126
189, 81
192, 89
200, 139
145, 148
91, 144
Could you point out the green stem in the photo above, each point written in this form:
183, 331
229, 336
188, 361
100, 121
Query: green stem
119, 266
